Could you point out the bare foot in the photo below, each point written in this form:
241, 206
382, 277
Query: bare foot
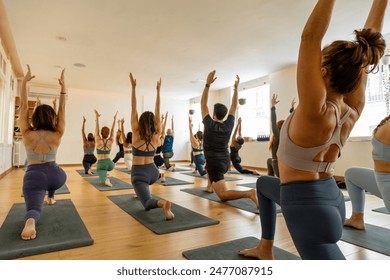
356, 221
209, 189
173, 166
254, 197
29, 232
257, 253
167, 210
194, 170
90, 171
108, 183
51, 201
162, 179
256, 172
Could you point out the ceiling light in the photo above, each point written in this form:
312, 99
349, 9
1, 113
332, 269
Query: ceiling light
61, 38
81, 65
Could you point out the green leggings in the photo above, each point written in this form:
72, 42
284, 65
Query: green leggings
104, 165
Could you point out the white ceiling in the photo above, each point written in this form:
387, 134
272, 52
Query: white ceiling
177, 40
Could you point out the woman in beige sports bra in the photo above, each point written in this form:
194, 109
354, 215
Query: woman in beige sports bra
331, 89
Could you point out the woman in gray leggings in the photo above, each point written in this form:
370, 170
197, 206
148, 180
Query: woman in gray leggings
331, 87
375, 181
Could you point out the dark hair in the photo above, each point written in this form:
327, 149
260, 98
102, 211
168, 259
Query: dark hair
199, 135
240, 140
105, 132
44, 118
382, 123
220, 111
129, 138
147, 126
345, 60
90, 137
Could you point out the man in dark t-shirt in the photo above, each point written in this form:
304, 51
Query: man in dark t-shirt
216, 138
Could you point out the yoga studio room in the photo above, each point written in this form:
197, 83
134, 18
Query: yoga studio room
195, 130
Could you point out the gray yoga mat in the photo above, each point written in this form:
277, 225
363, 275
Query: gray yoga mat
242, 203
229, 251
227, 178
123, 169
63, 190
235, 172
178, 169
59, 228
82, 173
381, 210
373, 238
154, 219
116, 184
170, 181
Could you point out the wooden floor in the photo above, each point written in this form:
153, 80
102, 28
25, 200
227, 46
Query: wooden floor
117, 236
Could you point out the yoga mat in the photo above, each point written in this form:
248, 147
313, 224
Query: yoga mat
235, 172
124, 169
242, 203
63, 190
154, 219
373, 238
178, 169
205, 176
116, 184
381, 210
170, 181
248, 185
82, 173
59, 228
229, 251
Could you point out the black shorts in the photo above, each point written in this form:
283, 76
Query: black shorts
217, 167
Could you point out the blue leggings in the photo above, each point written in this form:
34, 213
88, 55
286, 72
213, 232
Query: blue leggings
360, 179
314, 212
199, 161
141, 177
104, 165
39, 179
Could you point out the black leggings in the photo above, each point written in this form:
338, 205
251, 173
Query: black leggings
236, 161
88, 160
314, 212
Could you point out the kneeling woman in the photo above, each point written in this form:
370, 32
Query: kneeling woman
41, 140
146, 136
104, 140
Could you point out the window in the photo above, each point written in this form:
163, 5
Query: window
377, 103
255, 113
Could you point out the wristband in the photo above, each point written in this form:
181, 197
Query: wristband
207, 85
62, 92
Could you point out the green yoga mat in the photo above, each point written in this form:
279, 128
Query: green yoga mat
242, 203
205, 176
59, 228
123, 169
63, 190
373, 238
170, 181
116, 184
381, 210
82, 173
154, 219
229, 251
